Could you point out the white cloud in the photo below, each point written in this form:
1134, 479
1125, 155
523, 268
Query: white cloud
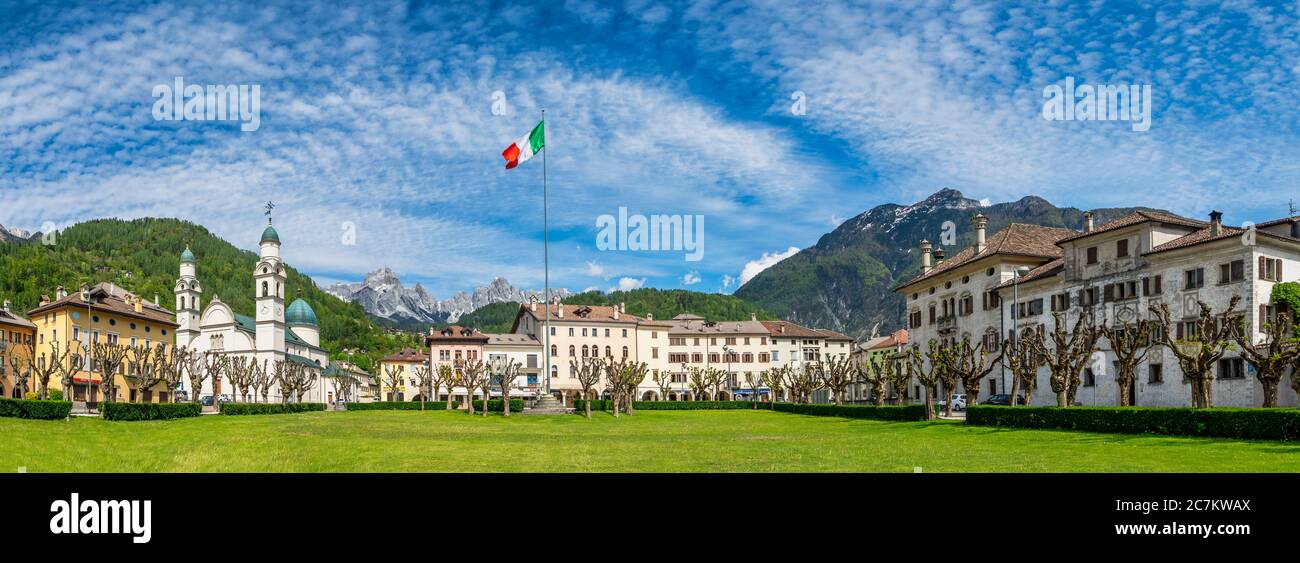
754, 267
594, 269
628, 284
727, 282
691, 278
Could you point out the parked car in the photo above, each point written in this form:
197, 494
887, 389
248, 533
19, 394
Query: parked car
958, 402
206, 400
1004, 399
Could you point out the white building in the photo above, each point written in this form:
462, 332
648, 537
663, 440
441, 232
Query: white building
274, 334
1024, 274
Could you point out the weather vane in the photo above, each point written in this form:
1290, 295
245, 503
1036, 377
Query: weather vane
269, 207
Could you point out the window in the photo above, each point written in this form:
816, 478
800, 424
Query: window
570, 331
764, 357
1121, 248
584, 332
572, 351
1092, 255
1194, 278
625, 333
1089, 378
1153, 285
932, 315
625, 352
1232, 271
966, 306
991, 299
553, 354
1088, 297
731, 341
654, 353
676, 341
1061, 302
1270, 269
1232, 368
1155, 373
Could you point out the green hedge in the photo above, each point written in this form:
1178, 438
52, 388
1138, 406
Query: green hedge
1240, 423
603, 405
887, 412
497, 405
270, 408
148, 411
43, 410
401, 406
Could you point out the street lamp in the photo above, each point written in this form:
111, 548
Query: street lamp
1016, 274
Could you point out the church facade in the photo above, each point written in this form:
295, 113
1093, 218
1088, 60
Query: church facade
272, 334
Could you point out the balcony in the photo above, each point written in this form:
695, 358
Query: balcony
946, 324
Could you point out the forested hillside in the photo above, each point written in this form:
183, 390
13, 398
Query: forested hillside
143, 256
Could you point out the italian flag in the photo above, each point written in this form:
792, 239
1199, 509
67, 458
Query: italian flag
527, 146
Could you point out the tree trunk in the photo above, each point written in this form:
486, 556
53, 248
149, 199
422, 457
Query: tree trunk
486, 397
586, 404
929, 403
1063, 398
1125, 383
1015, 387
1270, 392
469, 401
505, 404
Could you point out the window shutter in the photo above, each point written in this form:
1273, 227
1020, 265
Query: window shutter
1180, 330
1263, 315
1263, 263
1110, 292
1159, 286
1146, 287
1278, 273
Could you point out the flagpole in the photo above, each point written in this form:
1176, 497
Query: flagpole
546, 263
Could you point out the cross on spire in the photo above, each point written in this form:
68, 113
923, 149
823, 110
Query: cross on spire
269, 206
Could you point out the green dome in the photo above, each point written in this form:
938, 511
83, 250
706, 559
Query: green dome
187, 256
300, 313
270, 235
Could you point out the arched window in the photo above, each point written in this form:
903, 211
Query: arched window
625, 352
553, 351
264, 290
553, 372
609, 353
571, 351
584, 350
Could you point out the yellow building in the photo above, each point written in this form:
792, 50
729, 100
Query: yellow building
16, 337
108, 314
406, 361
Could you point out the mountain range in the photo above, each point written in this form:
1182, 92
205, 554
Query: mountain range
16, 236
845, 282
383, 296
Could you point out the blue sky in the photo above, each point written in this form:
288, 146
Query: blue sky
381, 116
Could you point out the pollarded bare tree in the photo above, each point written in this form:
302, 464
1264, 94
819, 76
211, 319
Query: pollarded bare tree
927, 373
262, 380
506, 375
1066, 353
614, 383
141, 372
631, 376
664, 381
1272, 357
1023, 361
754, 380
394, 375
698, 381
878, 372
717, 379
948, 376
296, 380
485, 385
215, 365
279, 375
169, 362
973, 364
19, 356
424, 379
78, 359
193, 365
804, 381
899, 376
838, 375
43, 367
1130, 342
1209, 336
446, 376
472, 375
588, 374
239, 372
775, 379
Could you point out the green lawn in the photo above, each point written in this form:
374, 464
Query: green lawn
666, 441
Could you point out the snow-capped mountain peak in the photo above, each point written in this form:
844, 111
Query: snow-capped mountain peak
382, 294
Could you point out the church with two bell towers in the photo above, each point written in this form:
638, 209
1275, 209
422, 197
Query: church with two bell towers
274, 332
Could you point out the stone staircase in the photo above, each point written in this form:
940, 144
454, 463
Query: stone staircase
548, 405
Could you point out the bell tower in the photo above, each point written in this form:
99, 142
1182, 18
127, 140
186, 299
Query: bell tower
268, 286
188, 301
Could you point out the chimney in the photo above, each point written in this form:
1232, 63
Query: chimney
155, 297
60, 293
649, 316
559, 310
8, 304
1216, 223
781, 328
980, 221
45, 299
1087, 221
622, 307
925, 256
616, 313
532, 303
939, 254
753, 316
138, 302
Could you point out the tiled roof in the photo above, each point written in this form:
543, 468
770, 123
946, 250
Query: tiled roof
407, 355
11, 318
786, 329
1018, 239
696, 325
832, 335
1279, 221
578, 313
511, 338
456, 333
110, 298
897, 338
1135, 218
1046, 270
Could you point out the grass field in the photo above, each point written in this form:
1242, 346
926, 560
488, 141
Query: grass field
659, 441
